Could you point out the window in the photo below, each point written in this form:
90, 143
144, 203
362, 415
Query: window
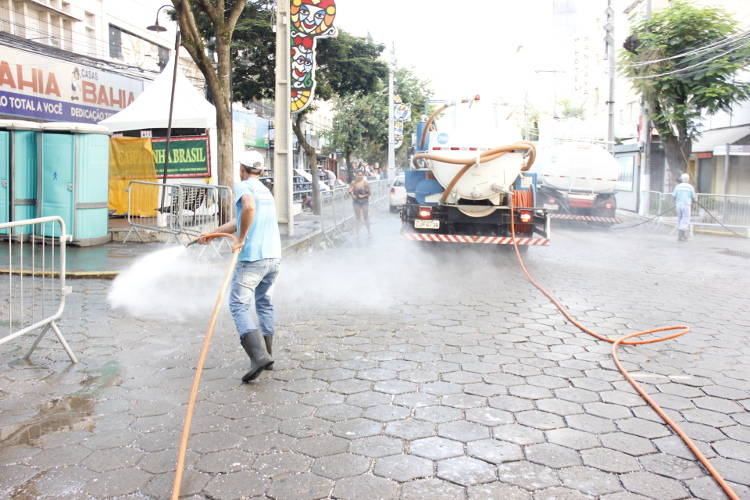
115, 42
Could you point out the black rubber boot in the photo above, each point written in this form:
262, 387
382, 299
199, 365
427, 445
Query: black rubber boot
255, 348
269, 348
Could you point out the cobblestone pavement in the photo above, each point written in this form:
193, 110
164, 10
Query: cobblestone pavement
403, 373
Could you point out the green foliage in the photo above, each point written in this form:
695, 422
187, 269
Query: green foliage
683, 61
570, 111
360, 127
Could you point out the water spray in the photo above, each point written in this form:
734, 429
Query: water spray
201, 361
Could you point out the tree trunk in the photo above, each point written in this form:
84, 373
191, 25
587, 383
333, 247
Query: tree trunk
677, 153
312, 154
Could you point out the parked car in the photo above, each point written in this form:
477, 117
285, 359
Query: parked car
397, 197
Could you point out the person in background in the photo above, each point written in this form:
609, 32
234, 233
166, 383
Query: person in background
684, 194
258, 264
359, 190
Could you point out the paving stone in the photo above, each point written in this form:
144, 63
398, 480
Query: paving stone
416, 400
113, 458
590, 481
337, 413
395, 387
387, 413
463, 431
368, 399
510, 403
117, 482
305, 427
552, 455
627, 443
572, 438
410, 429
666, 465
653, 486
494, 451
466, 471
609, 460
643, 428
527, 475
357, 428
269, 442
434, 489
463, 401
436, 448
340, 466
519, 434
438, 414
376, 446
403, 468
539, 420
308, 486
364, 487
488, 416
707, 417
496, 490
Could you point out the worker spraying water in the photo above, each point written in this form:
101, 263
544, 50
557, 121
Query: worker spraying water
259, 246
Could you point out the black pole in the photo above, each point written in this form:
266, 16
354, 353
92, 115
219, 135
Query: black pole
169, 122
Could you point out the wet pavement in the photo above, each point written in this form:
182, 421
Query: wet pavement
401, 372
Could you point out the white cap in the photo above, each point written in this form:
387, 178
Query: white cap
684, 177
252, 159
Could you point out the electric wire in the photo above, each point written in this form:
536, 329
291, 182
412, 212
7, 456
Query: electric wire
625, 340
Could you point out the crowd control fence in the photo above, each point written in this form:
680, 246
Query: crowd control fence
337, 213
33, 290
181, 210
716, 212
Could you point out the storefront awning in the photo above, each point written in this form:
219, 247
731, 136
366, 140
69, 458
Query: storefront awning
719, 137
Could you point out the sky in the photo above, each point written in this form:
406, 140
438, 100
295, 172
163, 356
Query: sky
465, 48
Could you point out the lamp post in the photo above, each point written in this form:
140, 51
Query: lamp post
158, 28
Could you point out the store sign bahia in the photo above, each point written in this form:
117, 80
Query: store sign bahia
188, 156
43, 88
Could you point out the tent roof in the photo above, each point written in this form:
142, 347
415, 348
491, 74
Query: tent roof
150, 109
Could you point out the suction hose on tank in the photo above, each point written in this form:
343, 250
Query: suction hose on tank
484, 157
625, 340
199, 369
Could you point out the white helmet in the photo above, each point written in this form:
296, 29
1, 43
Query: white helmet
252, 159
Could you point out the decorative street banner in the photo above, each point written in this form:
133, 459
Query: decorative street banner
311, 19
254, 129
38, 87
188, 156
401, 114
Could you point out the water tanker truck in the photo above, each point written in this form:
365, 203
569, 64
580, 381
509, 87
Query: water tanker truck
470, 181
577, 182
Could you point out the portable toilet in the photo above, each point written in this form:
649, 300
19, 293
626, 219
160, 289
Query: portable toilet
74, 181
18, 172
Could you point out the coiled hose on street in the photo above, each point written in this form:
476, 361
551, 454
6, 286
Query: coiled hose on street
680, 330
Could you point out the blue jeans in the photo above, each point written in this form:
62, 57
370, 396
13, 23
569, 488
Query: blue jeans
683, 217
253, 281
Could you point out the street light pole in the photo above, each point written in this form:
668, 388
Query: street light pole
160, 29
391, 168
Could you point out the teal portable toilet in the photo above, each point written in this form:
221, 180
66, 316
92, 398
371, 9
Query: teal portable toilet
74, 181
18, 171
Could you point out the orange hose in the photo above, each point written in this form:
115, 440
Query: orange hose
682, 330
199, 370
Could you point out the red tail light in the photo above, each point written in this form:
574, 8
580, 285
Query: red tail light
425, 212
552, 200
608, 205
525, 217
393, 190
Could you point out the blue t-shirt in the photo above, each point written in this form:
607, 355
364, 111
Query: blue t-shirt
683, 194
263, 240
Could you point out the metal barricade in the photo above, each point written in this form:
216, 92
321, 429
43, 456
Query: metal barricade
189, 209
337, 213
33, 277
720, 212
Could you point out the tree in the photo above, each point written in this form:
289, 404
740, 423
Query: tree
683, 61
213, 20
360, 127
345, 65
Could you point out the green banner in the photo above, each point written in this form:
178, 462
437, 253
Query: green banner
188, 157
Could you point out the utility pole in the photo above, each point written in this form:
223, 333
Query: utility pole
282, 153
645, 136
391, 134
609, 39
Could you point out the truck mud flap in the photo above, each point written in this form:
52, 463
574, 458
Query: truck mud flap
485, 240
613, 220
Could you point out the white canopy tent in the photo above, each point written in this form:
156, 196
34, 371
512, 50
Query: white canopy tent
150, 110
